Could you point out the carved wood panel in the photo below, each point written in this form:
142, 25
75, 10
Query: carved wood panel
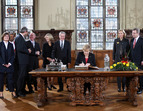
41, 33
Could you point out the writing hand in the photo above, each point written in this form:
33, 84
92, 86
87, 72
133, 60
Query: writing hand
87, 64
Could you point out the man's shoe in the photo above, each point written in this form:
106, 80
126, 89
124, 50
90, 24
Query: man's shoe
49, 88
25, 92
119, 90
124, 90
59, 90
30, 92
35, 88
6, 88
14, 96
21, 95
139, 92
52, 86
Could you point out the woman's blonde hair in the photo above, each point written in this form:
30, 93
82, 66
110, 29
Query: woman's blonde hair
124, 36
86, 47
50, 36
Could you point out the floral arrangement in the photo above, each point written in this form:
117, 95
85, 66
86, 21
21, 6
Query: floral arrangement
124, 66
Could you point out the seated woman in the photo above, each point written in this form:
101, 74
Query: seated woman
85, 58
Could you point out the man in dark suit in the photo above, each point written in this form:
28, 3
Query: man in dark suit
22, 56
137, 53
62, 51
33, 59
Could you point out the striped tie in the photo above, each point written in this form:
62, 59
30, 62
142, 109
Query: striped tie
62, 45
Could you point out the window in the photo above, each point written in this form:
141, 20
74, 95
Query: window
96, 23
17, 14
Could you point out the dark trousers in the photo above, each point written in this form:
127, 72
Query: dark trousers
29, 78
140, 83
9, 81
119, 82
28, 82
60, 83
15, 74
21, 77
87, 85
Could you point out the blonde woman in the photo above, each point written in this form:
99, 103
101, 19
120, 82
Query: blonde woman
46, 53
120, 50
85, 58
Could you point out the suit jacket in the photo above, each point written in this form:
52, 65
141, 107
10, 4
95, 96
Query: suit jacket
62, 54
137, 52
6, 56
81, 58
116, 49
33, 58
46, 52
22, 54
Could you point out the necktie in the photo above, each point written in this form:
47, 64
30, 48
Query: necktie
134, 43
62, 45
33, 44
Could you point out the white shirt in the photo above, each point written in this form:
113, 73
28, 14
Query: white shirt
61, 42
13, 44
33, 43
6, 44
137, 39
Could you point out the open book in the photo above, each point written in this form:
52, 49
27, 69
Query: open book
77, 67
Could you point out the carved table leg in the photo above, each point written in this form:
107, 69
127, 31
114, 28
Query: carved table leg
132, 90
42, 92
76, 89
99, 84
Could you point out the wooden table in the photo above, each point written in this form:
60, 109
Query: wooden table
76, 80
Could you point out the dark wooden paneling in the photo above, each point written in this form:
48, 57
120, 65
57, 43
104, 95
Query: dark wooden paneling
41, 33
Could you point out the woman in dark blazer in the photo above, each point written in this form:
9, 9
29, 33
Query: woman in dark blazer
46, 53
6, 64
120, 50
85, 58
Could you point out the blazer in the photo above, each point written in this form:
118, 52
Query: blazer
6, 56
62, 54
22, 53
46, 52
137, 52
81, 58
116, 49
33, 58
